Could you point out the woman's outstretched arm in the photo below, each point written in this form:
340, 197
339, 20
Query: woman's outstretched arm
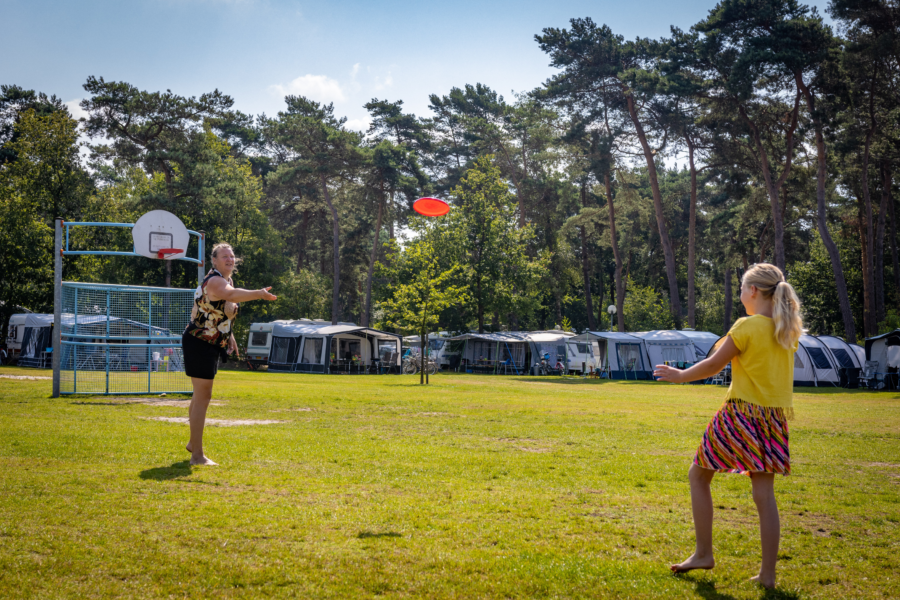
703, 369
219, 289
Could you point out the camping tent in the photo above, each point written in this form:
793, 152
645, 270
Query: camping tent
846, 359
860, 353
703, 341
663, 346
621, 354
306, 346
885, 350
814, 363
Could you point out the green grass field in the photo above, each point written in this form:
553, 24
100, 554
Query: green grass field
474, 487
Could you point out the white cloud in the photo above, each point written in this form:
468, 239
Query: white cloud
315, 87
354, 71
75, 109
384, 82
358, 124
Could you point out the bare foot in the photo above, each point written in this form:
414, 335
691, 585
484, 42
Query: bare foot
766, 582
707, 562
202, 461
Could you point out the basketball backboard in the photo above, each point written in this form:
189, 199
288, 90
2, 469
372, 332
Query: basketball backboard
160, 234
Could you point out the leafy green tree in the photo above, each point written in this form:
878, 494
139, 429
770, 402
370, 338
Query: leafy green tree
14, 102
424, 288
594, 60
322, 153
484, 239
645, 309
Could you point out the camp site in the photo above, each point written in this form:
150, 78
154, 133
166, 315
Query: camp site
450, 300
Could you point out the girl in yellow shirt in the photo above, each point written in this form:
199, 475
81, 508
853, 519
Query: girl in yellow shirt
749, 434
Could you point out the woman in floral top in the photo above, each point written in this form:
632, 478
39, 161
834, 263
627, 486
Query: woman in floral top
208, 336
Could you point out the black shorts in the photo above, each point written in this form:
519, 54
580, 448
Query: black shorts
201, 359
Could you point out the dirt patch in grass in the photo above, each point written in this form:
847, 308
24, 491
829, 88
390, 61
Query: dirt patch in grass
292, 410
26, 377
183, 402
218, 422
435, 414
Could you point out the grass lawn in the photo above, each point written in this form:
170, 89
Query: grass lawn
474, 487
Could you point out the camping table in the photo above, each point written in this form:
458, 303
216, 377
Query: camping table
484, 366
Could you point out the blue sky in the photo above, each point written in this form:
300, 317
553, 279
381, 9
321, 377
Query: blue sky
342, 51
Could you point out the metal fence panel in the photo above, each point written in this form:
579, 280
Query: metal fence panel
123, 339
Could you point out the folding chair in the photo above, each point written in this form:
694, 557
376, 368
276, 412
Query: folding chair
870, 375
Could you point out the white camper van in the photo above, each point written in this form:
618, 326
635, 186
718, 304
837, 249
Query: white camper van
580, 356
260, 343
29, 333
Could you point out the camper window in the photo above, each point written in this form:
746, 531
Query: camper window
259, 338
435, 345
584, 348
13, 334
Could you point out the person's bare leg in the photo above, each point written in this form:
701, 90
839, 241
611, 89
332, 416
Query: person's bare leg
199, 404
701, 503
769, 526
190, 410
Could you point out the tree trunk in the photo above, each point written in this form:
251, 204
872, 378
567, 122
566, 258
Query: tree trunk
728, 300
586, 270
868, 314
821, 218
368, 310
896, 262
674, 299
301, 254
480, 306
335, 293
773, 188
880, 310
620, 282
692, 237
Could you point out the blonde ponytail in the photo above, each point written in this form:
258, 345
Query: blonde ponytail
769, 280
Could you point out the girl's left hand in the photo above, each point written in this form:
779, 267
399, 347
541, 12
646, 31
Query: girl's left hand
667, 373
233, 347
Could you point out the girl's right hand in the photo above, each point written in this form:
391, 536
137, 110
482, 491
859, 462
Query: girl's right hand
266, 295
667, 373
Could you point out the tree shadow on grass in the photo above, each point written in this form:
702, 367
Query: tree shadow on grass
173, 471
367, 535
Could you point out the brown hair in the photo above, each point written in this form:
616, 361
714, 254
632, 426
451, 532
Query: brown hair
221, 245
769, 280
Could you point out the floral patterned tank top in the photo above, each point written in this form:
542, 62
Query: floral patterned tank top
211, 324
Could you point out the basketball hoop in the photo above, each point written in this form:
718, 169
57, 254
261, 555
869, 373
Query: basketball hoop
164, 252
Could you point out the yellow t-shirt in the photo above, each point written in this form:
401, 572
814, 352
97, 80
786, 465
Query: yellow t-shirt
763, 371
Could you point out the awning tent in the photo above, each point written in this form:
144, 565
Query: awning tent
666, 346
885, 350
492, 348
86, 328
860, 353
703, 341
623, 355
814, 363
306, 346
35, 341
844, 355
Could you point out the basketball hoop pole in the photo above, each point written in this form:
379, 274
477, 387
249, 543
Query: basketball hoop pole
57, 305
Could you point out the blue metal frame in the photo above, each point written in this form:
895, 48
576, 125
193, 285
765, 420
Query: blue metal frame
67, 252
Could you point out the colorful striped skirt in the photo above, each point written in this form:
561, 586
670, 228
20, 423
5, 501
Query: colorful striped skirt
746, 438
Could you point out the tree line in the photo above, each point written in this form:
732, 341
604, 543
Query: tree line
647, 174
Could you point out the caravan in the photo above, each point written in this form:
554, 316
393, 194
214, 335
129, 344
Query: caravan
29, 338
619, 355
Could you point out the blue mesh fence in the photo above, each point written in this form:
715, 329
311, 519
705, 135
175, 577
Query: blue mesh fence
123, 339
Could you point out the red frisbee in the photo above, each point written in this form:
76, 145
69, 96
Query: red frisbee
431, 207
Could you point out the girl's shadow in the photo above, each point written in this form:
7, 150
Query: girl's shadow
174, 471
